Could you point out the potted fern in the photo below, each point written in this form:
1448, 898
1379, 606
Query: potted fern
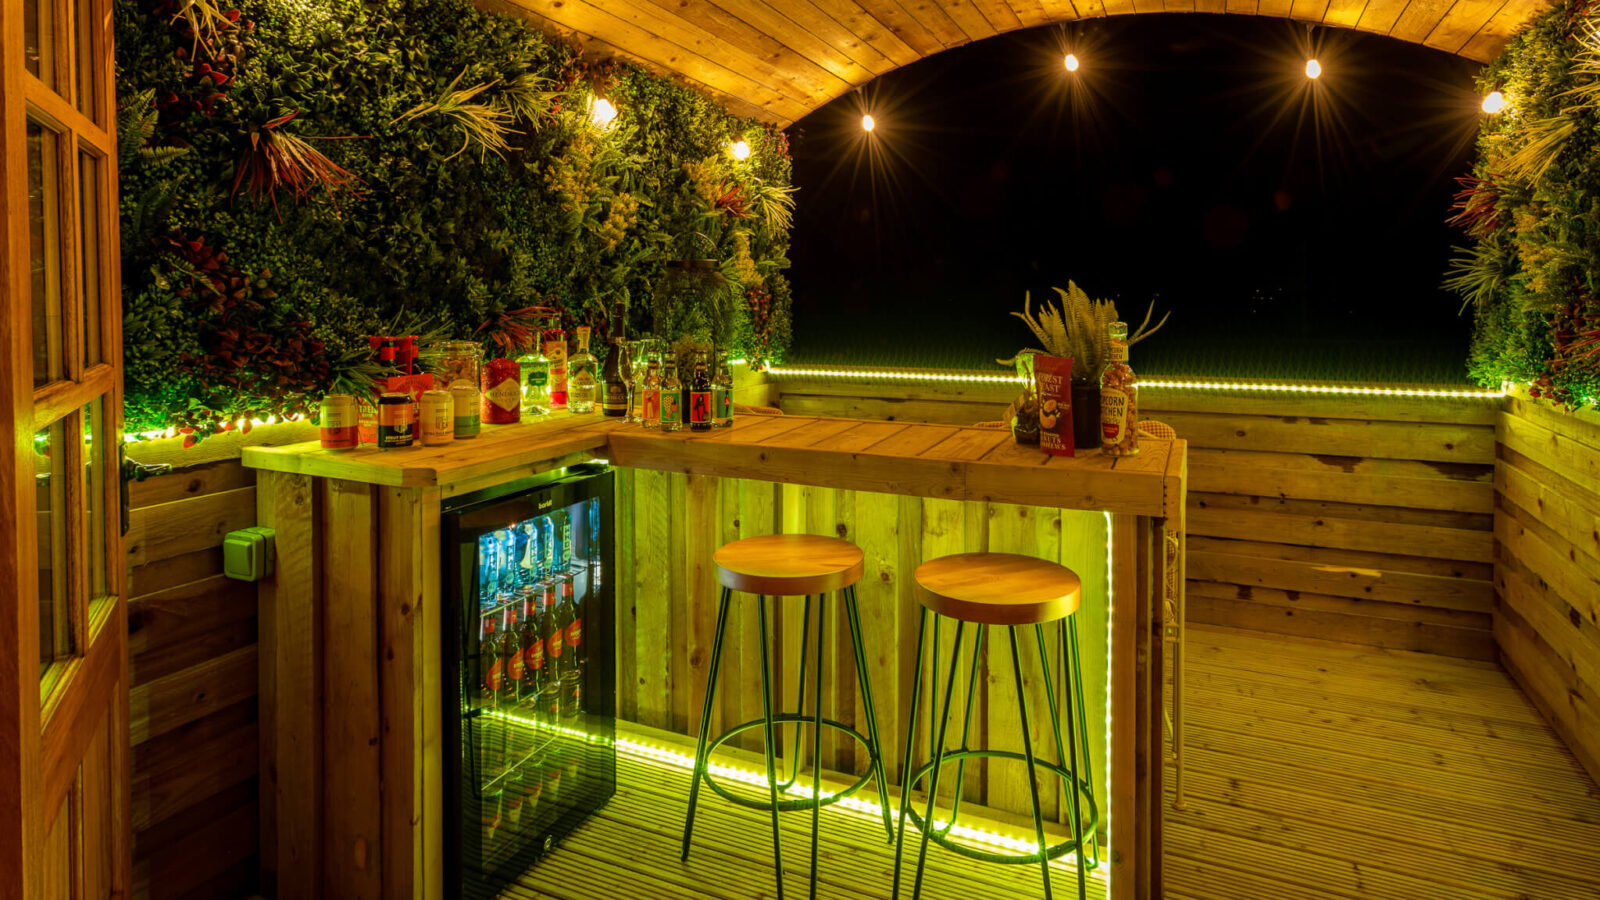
1077, 330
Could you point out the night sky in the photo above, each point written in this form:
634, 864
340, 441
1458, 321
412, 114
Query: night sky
1294, 228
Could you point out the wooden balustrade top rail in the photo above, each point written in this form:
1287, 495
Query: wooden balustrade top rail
944, 461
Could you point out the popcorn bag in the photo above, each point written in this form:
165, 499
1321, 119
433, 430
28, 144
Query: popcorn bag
1053, 377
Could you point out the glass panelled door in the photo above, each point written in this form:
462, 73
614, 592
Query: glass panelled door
64, 812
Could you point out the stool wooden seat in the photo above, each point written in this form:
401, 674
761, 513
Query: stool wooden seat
997, 588
789, 564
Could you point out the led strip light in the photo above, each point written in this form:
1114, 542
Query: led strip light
1180, 384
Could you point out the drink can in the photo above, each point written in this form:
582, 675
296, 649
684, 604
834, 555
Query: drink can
394, 421
341, 422
438, 418
468, 409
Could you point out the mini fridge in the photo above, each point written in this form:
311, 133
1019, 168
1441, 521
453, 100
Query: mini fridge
530, 673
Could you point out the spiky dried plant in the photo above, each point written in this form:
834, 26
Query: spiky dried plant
774, 203
205, 19
530, 97
1476, 213
277, 159
1542, 141
1078, 329
514, 331
483, 123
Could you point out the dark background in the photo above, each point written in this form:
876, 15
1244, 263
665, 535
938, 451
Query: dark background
1295, 229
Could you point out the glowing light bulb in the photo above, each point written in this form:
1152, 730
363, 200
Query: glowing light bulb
740, 150
868, 123
1494, 102
602, 112
1313, 68
1072, 62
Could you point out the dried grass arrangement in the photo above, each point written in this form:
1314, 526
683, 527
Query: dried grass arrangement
1077, 329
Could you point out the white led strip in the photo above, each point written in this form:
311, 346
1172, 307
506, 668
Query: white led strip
1184, 384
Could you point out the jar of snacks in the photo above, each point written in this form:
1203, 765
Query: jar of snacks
451, 362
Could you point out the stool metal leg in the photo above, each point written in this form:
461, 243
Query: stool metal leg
906, 765
853, 615
800, 692
816, 743
1071, 628
766, 716
938, 757
966, 729
1027, 751
1063, 753
700, 760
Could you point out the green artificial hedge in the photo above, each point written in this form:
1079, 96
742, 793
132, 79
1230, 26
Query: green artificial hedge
299, 174
1532, 209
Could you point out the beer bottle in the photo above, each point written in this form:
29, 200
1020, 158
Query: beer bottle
532, 656
671, 399
650, 405
554, 638
491, 755
722, 392
514, 665
700, 397
574, 652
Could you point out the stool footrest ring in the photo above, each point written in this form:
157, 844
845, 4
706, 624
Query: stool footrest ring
798, 802
941, 836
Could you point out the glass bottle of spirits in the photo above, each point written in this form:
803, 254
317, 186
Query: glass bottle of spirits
555, 350
700, 396
671, 399
513, 687
535, 382
583, 376
637, 356
614, 399
722, 392
1119, 398
532, 655
650, 393
550, 683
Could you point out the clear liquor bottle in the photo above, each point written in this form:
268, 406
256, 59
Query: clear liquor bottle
583, 376
535, 382
618, 367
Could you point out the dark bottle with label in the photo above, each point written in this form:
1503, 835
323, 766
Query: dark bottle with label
491, 686
700, 397
554, 639
614, 393
512, 662
532, 656
574, 653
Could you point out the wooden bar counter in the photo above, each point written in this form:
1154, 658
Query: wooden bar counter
351, 728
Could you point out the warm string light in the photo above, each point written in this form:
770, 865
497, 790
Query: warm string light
1313, 69
602, 112
740, 149
1072, 62
868, 122
1494, 102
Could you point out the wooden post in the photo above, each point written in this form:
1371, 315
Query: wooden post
291, 697
1122, 803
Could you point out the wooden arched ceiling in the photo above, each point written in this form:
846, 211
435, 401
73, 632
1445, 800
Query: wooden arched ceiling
778, 60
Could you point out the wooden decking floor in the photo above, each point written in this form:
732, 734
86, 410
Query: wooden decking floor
1314, 771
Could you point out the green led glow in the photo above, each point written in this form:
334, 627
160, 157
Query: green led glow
1111, 596
1165, 383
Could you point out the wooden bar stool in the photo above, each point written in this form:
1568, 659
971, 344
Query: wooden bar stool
1010, 591
775, 566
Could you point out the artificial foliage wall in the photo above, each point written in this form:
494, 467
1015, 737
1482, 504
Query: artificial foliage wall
1532, 210
299, 174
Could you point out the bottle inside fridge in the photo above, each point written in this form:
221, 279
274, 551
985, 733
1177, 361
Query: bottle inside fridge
535, 698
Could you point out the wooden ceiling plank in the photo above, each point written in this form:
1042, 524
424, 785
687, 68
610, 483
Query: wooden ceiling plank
798, 39
866, 26
824, 25
1089, 9
1461, 23
1242, 7
1380, 15
1178, 6
1344, 13
773, 54
1492, 37
1000, 14
932, 16
1211, 6
641, 43
973, 23
916, 35
1058, 10
1419, 19
1033, 12
1149, 6
1309, 10
1278, 8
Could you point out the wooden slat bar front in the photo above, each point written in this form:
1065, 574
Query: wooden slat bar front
808, 460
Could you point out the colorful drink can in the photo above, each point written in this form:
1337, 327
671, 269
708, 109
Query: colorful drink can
437, 425
466, 400
394, 421
341, 422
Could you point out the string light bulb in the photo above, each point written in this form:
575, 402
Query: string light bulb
1313, 69
740, 149
602, 112
1072, 62
868, 122
1494, 102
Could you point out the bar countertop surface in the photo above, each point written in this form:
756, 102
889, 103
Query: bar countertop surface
945, 461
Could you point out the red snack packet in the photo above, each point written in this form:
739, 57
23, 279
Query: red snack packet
1052, 376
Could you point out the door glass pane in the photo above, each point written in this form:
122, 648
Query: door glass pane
55, 631
44, 256
89, 240
94, 501
38, 37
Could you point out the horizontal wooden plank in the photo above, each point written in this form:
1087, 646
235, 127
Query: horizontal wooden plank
1340, 619
210, 848
188, 611
196, 481
943, 412
1570, 458
166, 530
219, 640
1372, 513
1375, 584
1552, 559
167, 702
1354, 559
1349, 534
154, 577
1581, 425
1574, 639
203, 768
1344, 437
1350, 479
1564, 701
1567, 509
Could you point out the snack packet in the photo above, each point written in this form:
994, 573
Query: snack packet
1053, 376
